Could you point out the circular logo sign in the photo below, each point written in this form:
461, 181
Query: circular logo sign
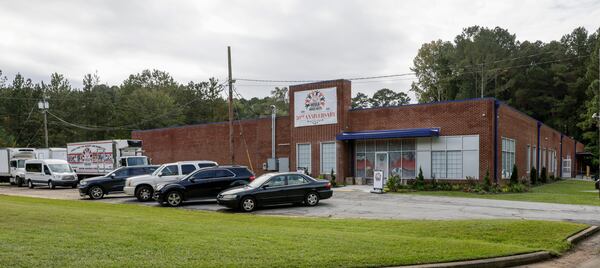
315, 101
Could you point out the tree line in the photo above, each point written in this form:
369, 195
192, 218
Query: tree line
555, 82
146, 100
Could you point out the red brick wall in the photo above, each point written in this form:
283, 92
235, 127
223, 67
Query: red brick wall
210, 142
472, 117
516, 125
523, 129
317, 134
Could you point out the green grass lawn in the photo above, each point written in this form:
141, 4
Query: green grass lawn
60, 233
563, 192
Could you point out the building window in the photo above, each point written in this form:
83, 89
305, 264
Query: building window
438, 164
528, 158
303, 157
447, 164
328, 157
543, 165
508, 156
454, 164
401, 157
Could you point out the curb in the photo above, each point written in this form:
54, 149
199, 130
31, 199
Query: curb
509, 261
578, 237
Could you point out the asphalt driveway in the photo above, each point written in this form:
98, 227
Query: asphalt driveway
357, 202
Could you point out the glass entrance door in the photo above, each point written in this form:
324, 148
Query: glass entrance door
381, 163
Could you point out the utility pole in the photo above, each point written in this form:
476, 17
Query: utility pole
231, 154
482, 84
598, 120
43, 105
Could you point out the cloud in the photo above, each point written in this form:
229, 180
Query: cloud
281, 40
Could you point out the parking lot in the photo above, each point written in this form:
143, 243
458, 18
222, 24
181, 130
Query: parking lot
357, 202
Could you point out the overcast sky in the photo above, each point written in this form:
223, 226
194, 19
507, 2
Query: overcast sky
280, 40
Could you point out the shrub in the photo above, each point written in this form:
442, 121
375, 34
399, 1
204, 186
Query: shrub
445, 186
393, 183
518, 188
487, 183
419, 181
544, 175
434, 184
533, 176
514, 177
332, 179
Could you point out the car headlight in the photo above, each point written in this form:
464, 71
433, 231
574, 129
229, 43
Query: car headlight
83, 183
228, 197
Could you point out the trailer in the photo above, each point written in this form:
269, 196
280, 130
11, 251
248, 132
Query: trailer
8, 157
97, 158
52, 153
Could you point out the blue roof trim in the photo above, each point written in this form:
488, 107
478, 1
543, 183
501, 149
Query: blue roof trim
386, 134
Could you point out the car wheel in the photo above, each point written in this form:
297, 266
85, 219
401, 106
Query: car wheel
30, 184
144, 193
96, 192
247, 204
311, 199
19, 182
51, 185
174, 198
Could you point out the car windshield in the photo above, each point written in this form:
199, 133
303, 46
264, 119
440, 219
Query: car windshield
158, 170
60, 168
137, 161
21, 164
260, 180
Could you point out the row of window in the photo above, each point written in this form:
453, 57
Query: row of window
328, 157
548, 158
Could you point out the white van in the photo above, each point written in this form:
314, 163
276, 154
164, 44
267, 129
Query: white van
50, 172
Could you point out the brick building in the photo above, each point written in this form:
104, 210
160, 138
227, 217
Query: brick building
449, 140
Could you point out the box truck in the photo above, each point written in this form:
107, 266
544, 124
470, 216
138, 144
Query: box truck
96, 158
52, 153
12, 162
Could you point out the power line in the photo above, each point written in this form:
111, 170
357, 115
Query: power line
123, 127
321, 80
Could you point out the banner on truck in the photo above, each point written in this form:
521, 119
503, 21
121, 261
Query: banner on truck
96, 157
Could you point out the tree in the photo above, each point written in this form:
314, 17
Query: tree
361, 101
386, 97
432, 68
533, 176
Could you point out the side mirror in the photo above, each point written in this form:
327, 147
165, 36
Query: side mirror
112, 175
160, 174
265, 186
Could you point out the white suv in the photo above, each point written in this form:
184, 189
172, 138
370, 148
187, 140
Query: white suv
143, 186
